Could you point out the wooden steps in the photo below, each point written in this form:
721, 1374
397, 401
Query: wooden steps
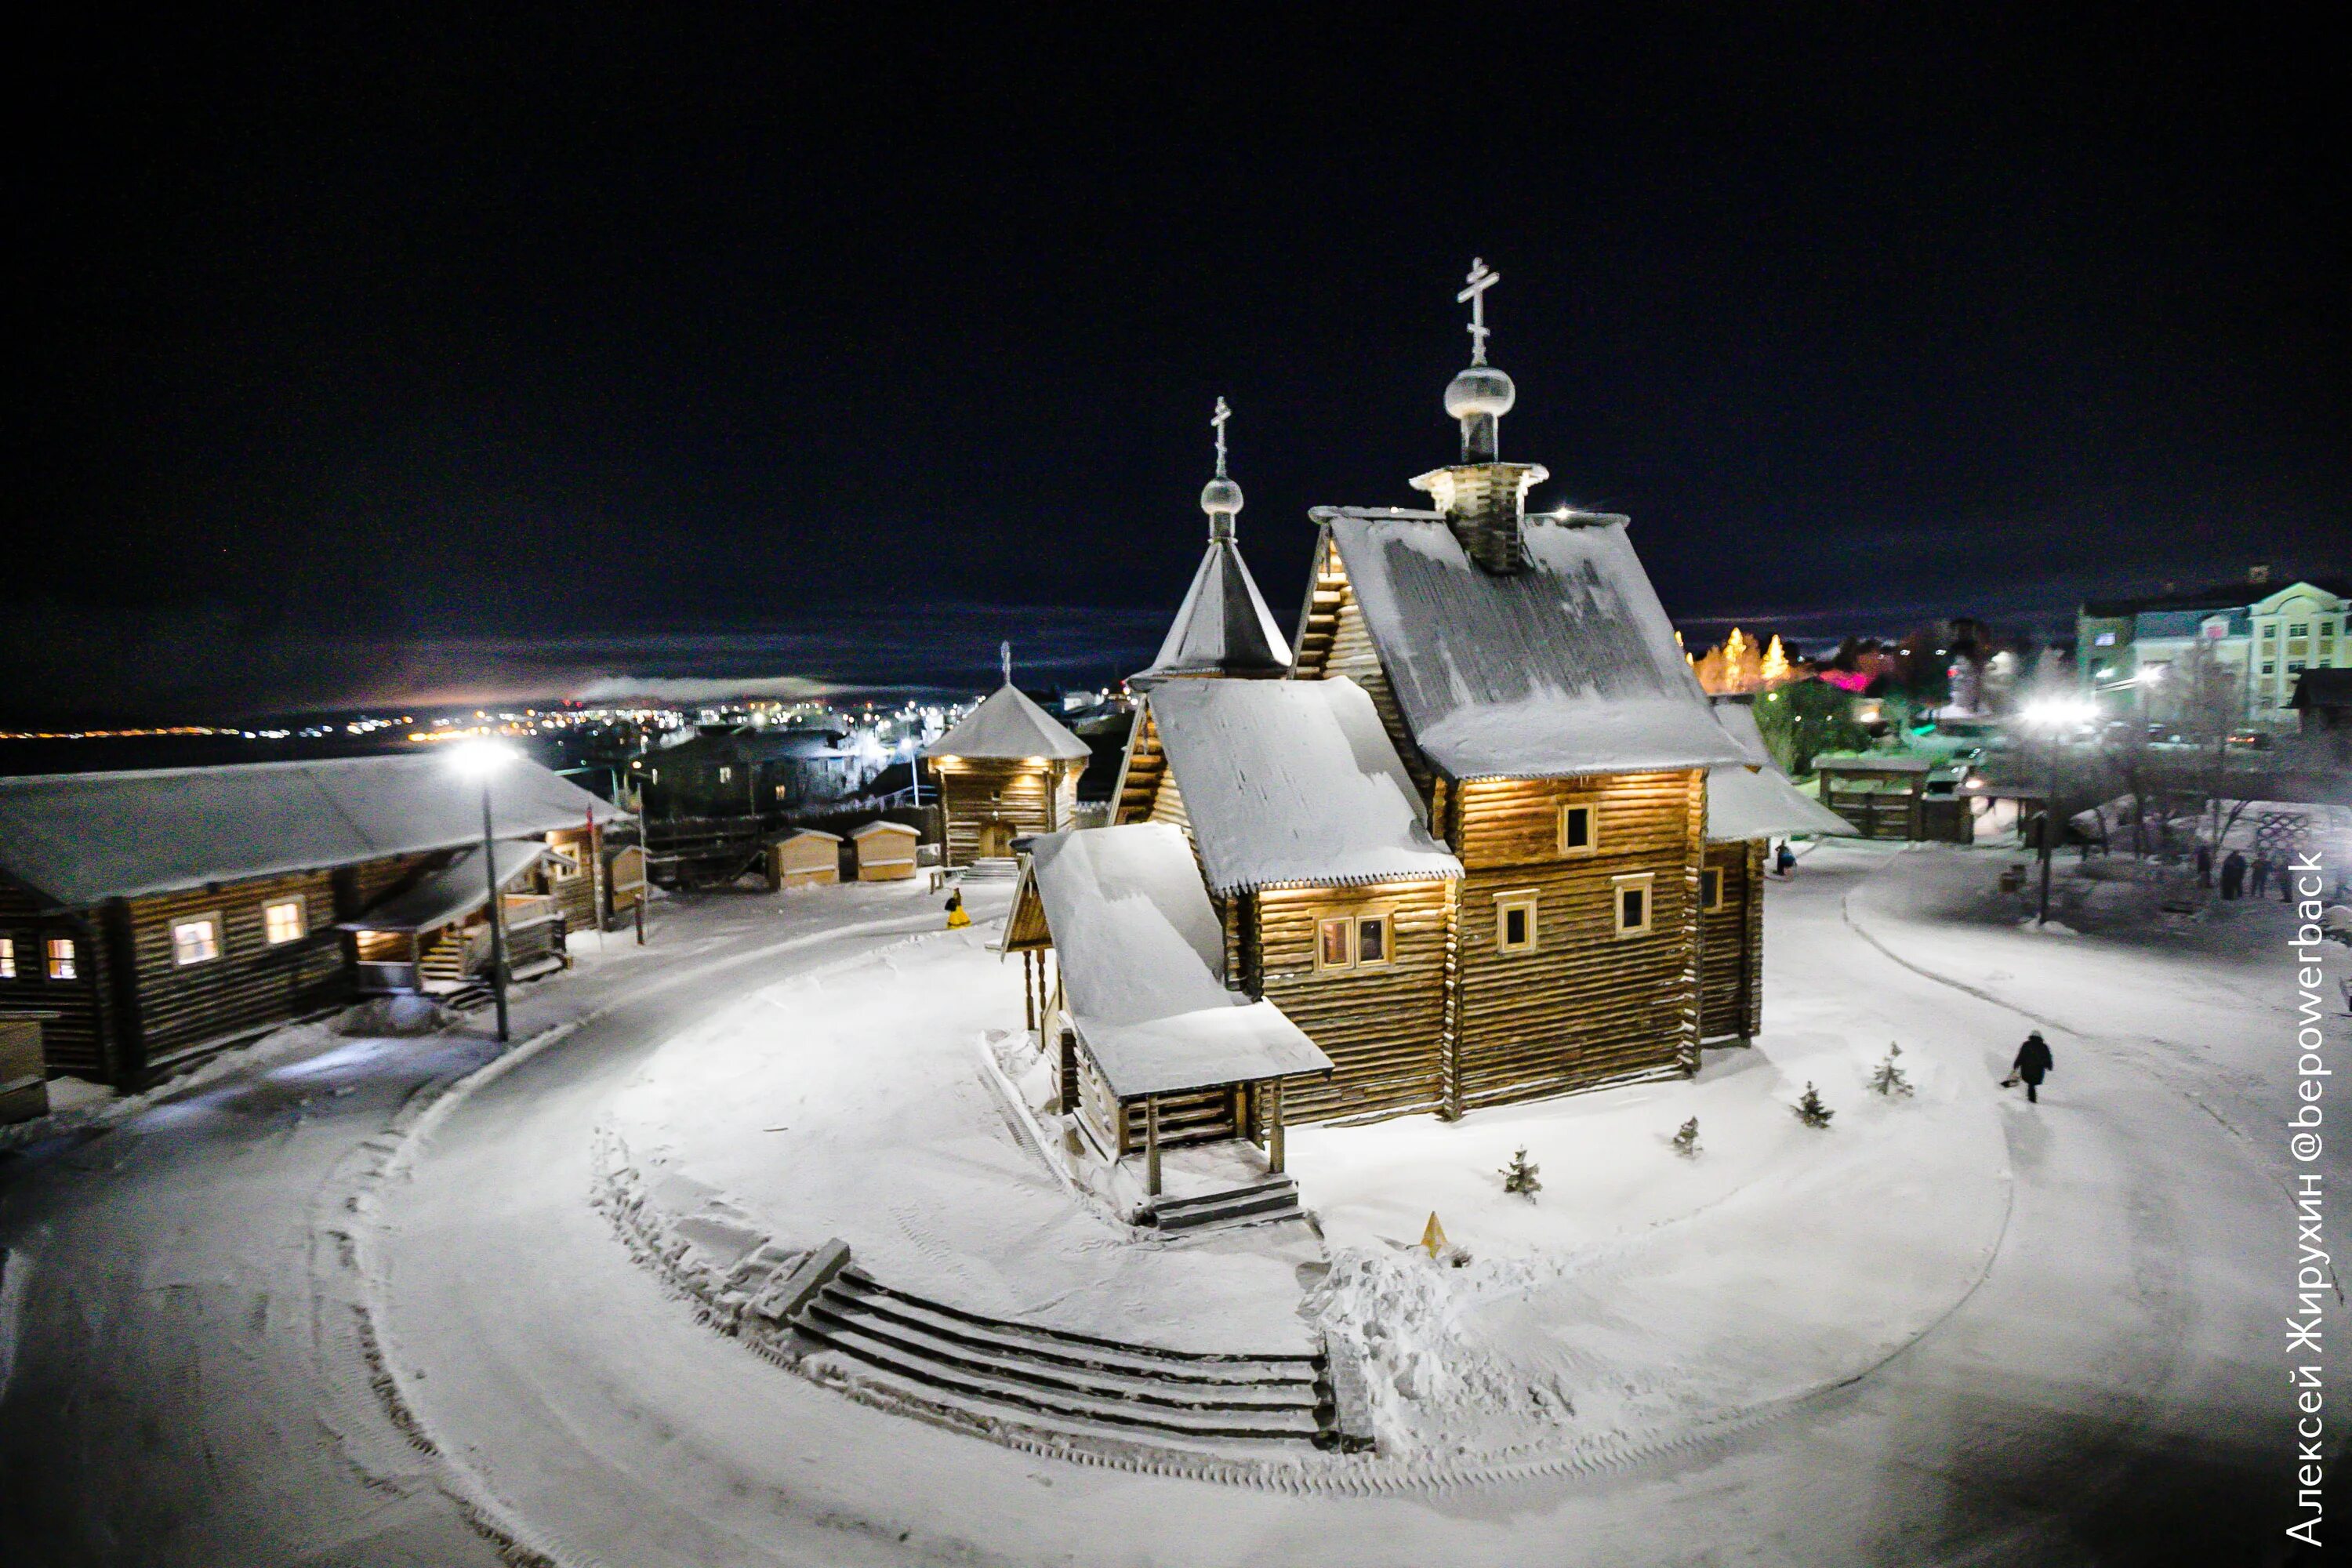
1059, 1380
1275, 1198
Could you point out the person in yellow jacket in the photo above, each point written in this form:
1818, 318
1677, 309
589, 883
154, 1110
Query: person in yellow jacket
957, 918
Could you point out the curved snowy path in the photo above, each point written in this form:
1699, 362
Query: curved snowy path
2110, 1391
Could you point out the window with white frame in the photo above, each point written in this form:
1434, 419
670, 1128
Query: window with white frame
1634, 894
1580, 825
1361, 938
561, 867
196, 940
7, 958
283, 920
64, 963
1515, 921
726, 775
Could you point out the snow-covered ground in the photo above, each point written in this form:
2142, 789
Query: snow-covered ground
190, 1387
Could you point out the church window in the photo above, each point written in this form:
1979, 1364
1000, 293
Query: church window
1515, 921
1710, 891
1633, 894
1359, 941
1579, 827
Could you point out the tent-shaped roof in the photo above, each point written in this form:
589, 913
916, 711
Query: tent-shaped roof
1568, 666
1142, 963
1222, 628
453, 892
1293, 782
1007, 726
79, 838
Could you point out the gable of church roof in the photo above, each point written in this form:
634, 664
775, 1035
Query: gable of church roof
1566, 667
1222, 628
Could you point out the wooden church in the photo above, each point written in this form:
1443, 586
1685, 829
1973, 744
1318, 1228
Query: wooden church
1459, 834
1006, 770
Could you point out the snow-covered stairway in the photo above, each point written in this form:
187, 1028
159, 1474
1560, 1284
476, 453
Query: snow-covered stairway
1275, 1198
1059, 1381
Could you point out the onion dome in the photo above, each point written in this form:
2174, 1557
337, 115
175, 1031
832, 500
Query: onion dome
1480, 389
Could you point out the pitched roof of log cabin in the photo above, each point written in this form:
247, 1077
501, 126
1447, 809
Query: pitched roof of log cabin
1754, 799
1222, 628
451, 893
1008, 727
1288, 782
81, 839
1142, 959
1566, 667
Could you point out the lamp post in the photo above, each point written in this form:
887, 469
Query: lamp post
483, 759
2054, 716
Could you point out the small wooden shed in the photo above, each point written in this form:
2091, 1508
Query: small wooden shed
884, 851
1008, 769
24, 1073
806, 858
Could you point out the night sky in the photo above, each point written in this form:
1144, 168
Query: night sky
365, 358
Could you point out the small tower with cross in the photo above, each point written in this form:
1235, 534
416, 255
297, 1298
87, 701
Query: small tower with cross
1222, 628
1483, 497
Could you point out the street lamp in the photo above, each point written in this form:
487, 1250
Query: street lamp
2053, 715
483, 760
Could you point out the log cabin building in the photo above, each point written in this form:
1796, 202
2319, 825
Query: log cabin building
1006, 770
155, 916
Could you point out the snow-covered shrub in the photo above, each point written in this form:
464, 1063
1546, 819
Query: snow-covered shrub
1811, 1110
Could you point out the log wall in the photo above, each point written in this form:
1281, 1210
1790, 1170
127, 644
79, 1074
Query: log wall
1585, 1006
79, 1039
254, 983
1027, 797
1383, 1027
1731, 945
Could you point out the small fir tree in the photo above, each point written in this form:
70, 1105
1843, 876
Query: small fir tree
1520, 1176
1686, 1141
1811, 1110
1889, 1079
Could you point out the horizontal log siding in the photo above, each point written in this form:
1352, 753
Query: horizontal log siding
1325, 593
76, 1041
1353, 655
252, 985
1140, 778
1168, 805
1383, 1028
1586, 1007
1195, 1116
1731, 946
974, 793
576, 896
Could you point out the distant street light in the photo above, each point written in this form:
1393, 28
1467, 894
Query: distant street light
2054, 716
483, 760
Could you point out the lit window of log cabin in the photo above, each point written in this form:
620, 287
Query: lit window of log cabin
1515, 921
7, 958
63, 962
283, 921
1633, 895
1357, 939
1580, 826
196, 940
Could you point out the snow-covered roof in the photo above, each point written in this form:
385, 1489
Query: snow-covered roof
1760, 803
1222, 628
1007, 726
1293, 781
1142, 959
1738, 722
1873, 763
78, 838
453, 892
871, 828
1568, 666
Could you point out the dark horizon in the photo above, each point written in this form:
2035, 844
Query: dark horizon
375, 358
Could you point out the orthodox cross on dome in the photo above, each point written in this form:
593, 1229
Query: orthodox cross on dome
1218, 419
1004, 658
1474, 296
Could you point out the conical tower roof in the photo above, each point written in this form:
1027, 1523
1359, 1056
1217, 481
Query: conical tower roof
1223, 627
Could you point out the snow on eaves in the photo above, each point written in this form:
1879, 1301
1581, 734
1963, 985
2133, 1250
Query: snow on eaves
81, 839
1141, 958
1007, 726
1759, 803
1567, 668
1293, 782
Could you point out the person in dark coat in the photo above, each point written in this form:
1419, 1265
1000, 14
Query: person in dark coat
2233, 874
2032, 1065
1785, 860
2261, 883
2204, 865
